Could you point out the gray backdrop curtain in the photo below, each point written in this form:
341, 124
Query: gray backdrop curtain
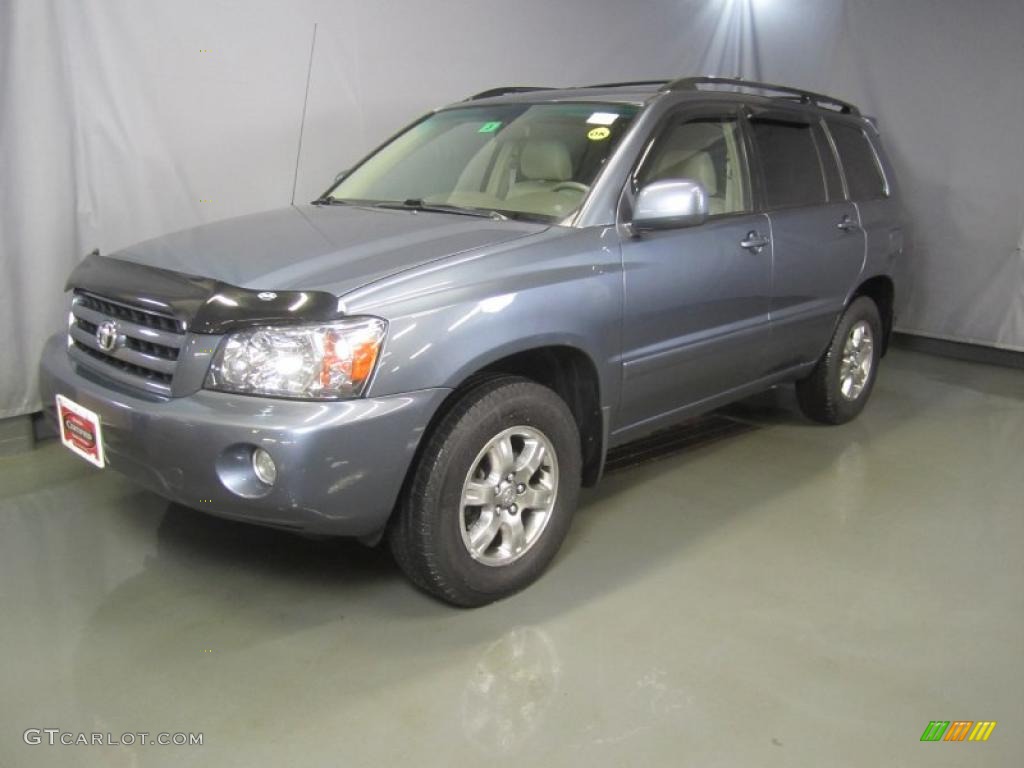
121, 120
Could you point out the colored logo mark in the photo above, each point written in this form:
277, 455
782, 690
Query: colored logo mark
596, 134
490, 127
958, 730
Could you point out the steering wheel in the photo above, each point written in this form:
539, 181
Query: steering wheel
573, 185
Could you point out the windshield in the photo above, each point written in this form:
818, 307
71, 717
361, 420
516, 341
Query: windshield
534, 161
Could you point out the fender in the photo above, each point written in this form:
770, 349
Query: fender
449, 321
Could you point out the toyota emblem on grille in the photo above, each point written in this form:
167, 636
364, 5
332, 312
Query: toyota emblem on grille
107, 334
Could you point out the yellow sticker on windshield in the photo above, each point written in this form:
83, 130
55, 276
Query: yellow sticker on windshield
601, 132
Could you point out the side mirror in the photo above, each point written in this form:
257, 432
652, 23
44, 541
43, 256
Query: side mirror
669, 204
341, 175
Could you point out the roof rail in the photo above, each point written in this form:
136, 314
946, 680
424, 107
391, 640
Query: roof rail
508, 89
805, 97
663, 81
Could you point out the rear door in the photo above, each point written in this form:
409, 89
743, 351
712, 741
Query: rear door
819, 245
695, 322
868, 188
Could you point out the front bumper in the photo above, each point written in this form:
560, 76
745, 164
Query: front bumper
340, 464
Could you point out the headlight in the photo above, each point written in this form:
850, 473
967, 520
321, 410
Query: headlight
322, 362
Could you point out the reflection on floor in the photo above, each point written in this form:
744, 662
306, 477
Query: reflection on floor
750, 590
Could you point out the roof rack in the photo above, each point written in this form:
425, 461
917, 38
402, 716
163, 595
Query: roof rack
805, 97
508, 89
663, 81
528, 88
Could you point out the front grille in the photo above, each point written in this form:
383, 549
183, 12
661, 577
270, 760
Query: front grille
118, 311
147, 344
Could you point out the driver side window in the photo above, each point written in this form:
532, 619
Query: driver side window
705, 150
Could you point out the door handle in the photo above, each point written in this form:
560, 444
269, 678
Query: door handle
846, 224
754, 241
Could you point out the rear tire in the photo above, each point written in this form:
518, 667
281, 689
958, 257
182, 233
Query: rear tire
838, 388
470, 554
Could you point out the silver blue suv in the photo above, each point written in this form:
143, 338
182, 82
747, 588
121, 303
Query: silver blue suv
445, 345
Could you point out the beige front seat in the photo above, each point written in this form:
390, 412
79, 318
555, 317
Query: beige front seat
697, 166
543, 164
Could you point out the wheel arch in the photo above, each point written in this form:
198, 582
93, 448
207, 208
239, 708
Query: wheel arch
572, 374
559, 365
881, 290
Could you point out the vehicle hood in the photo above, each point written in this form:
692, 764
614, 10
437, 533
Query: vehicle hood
326, 248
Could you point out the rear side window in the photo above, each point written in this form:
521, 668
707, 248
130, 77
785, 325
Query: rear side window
790, 164
863, 177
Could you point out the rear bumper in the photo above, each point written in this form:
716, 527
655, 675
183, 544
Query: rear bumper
340, 464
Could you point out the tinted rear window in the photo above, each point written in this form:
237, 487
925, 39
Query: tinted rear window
863, 178
789, 163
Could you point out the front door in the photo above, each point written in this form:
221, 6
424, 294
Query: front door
696, 314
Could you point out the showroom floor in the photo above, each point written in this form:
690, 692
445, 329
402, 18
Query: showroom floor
785, 594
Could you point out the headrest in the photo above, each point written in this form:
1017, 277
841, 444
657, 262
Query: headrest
702, 168
545, 161
687, 164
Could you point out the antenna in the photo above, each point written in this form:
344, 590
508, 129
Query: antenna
302, 123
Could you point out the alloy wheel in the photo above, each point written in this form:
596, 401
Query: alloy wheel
508, 495
857, 360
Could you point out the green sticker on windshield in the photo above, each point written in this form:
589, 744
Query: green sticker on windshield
490, 127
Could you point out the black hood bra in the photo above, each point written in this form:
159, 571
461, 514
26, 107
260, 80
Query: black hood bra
202, 304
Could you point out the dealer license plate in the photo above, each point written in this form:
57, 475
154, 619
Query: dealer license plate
80, 430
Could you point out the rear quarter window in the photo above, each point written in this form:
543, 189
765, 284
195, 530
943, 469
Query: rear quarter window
864, 179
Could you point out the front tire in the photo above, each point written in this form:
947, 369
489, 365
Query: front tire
492, 495
838, 388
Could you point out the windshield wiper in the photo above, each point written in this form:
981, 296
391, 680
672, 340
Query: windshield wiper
416, 204
330, 201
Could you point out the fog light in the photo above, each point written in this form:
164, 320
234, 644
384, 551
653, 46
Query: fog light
264, 467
